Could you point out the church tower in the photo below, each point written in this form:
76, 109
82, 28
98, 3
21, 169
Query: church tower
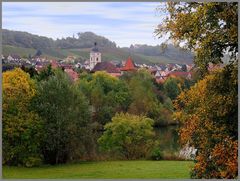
95, 56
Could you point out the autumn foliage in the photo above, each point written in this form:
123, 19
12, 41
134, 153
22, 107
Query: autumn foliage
21, 126
208, 113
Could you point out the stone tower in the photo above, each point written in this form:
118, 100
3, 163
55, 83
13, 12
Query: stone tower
95, 56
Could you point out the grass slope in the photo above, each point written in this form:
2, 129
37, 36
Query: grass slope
107, 169
108, 54
25, 52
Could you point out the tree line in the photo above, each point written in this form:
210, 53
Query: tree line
27, 40
49, 119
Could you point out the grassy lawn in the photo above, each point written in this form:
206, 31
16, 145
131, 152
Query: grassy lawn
107, 169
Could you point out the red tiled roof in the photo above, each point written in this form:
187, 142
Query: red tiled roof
54, 64
106, 66
129, 65
72, 74
66, 66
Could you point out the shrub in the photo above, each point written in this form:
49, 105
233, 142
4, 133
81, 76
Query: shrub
156, 154
33, 161
129, 135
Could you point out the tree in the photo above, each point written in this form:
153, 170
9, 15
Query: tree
38, 53
45, 73
146, 98
22, 128
141, 88
209, 29
129, 135
208, 113
31, 70
65, 114
171, 88
107, 95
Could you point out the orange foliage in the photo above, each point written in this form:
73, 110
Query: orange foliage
208, 113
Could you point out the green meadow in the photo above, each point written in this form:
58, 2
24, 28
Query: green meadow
104, 169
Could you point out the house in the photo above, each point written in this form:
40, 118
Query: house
70, 59
107, 67
160, 76
129, 65
39, 66
187, 75
15, 59
71, 73
39, 59
66, 66
78, 65
158, 67
54, 64
157, 74
161, 79
189, 67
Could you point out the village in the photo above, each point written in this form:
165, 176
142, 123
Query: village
95, 63
120, 90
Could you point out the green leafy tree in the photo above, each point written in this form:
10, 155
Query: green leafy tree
107, 95
31, 70
147, 98
45, 73
171, 88
65, 114
22, 128
144, 100
129, 135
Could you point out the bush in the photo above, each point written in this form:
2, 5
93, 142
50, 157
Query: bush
33, 162
156, 154
128, 135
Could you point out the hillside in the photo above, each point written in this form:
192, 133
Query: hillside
25, 44
27, 40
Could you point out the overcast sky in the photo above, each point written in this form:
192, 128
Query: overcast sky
125, 23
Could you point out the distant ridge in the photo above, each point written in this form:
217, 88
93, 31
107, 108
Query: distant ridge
24, 43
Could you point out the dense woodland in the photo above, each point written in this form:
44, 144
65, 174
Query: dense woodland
27, 40
167, 50
49, 119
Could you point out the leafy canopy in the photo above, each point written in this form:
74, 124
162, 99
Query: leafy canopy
209, 29
65, 114
128, 135
208, 113
21, 126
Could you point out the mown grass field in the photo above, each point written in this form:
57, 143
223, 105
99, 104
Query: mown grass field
104, 169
